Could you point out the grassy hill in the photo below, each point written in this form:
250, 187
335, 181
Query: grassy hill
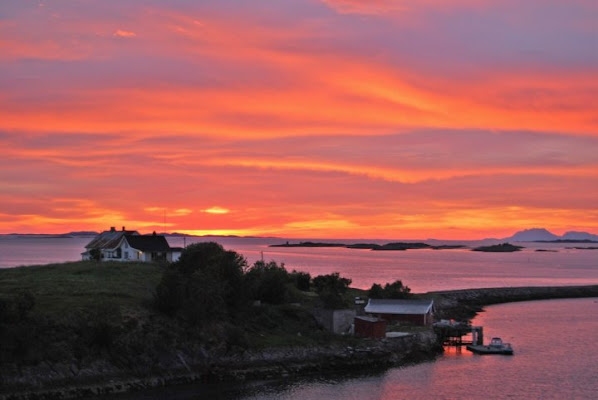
60, 288
94, 312
90, 323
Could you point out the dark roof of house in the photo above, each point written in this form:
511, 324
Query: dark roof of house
148, 243
395, 306
108, 239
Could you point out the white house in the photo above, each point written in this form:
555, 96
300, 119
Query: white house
105, 242
131, 246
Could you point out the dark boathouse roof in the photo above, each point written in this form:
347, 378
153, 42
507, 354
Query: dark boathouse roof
148, 243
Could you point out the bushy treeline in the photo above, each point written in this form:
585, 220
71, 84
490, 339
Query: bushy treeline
395, 290
210, 283
331, 290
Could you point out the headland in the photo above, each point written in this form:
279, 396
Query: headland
98, 355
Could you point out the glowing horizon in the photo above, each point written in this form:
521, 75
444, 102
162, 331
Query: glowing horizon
300, 118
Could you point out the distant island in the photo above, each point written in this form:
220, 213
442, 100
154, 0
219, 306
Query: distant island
395, 246
543, 235
540, 235
308, 244
566, 241
499, 248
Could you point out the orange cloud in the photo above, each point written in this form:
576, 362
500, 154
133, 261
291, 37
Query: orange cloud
378, 103
124, 34
216, 210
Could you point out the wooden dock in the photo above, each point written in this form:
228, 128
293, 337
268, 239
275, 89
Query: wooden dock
459, 334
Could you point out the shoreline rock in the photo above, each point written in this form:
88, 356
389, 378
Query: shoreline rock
466, 303
250, 366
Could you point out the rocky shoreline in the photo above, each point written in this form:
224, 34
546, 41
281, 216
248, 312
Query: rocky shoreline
58, 381
465, 304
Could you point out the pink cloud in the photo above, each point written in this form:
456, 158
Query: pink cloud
124, 34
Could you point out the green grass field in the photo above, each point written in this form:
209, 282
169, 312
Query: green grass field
66, 287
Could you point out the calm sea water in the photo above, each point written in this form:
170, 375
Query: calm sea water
422, 270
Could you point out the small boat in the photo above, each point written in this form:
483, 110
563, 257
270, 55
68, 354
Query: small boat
496, 346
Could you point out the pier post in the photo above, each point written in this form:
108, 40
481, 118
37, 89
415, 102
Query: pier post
477, 335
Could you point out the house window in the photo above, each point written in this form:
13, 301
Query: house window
126, 255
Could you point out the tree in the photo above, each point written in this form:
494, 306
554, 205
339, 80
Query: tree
331, 289
302, 280
95, 254
206, 283
331, 281
376, 292
268, 282
396, 290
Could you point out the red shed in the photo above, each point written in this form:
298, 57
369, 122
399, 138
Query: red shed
370, 327
419, 312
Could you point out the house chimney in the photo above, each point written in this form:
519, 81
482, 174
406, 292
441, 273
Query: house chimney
123, 228
112, 229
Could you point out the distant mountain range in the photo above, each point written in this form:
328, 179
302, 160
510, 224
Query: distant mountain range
543, 235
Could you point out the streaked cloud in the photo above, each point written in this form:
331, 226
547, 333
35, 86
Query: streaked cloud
395, 119
216, 210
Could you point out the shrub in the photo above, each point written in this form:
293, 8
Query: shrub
95, 254
205, 284
395, 290
267, 282
376, 292
333, 282
302, 280
331, 289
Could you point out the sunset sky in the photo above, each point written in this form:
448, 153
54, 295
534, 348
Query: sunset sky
451, 119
